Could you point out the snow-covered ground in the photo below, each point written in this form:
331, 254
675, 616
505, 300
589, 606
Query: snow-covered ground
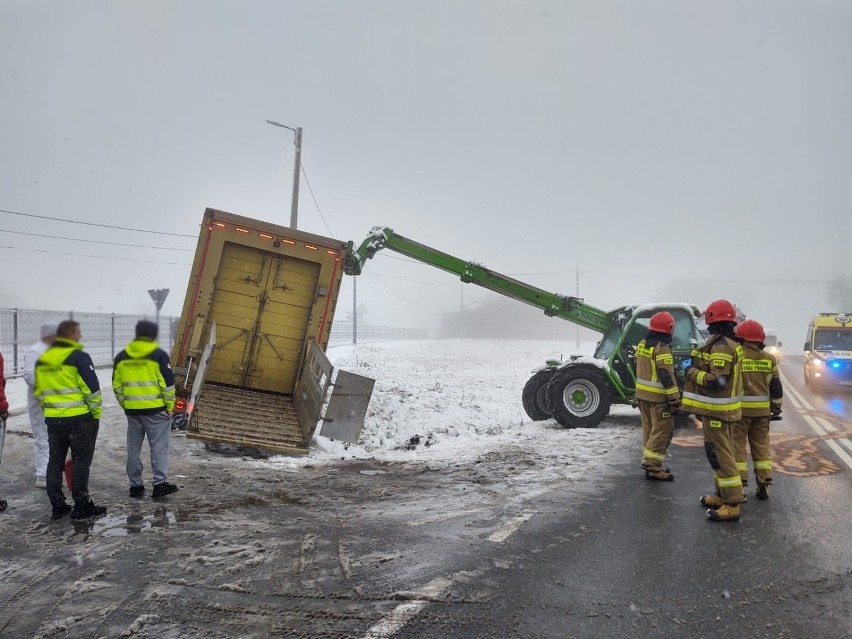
436, 400
448, 461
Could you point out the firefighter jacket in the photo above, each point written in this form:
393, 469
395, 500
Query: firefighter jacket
655, 380
761, 382
142, 378
66, 384
714, 385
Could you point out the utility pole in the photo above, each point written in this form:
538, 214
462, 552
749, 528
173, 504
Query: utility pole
297, 167
461, 313
354, 310
578, 297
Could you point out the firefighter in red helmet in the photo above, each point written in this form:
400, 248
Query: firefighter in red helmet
713, 390
657, 394
762, 394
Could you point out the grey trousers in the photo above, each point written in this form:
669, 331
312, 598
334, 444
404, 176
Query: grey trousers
157, 428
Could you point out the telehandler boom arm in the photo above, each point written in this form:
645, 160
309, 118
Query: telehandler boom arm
568, 308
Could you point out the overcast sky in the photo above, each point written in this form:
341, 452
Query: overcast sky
664, 148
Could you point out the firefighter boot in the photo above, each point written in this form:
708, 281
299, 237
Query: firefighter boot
725, 512
763, 490
711, 501
659, 474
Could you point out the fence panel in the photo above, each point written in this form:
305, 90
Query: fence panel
341, 332
104, 334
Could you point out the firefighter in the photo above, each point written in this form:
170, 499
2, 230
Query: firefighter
657, 393
762, 393
713, 390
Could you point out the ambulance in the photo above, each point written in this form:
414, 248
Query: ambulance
828, 351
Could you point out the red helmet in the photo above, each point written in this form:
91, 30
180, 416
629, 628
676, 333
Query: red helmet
662, 322
720, 311
751, 331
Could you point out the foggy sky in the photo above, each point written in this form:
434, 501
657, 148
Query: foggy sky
688, 149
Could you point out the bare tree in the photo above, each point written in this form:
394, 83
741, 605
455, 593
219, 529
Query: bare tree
840, 292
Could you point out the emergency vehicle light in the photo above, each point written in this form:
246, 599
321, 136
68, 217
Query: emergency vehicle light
835, 364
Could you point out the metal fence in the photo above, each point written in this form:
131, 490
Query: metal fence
104, 334
341, 332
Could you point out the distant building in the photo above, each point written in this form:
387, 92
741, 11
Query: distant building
504, 318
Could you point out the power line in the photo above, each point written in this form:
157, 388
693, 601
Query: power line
75, 239
100, 257
105, 226
330, 234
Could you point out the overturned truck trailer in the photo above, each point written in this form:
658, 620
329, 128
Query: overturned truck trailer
249, 356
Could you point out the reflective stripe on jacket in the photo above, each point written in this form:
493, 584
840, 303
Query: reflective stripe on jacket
142, 378
714, 384
650, 362
759, 368
66, 385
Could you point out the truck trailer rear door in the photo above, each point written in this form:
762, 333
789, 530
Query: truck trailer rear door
262, 304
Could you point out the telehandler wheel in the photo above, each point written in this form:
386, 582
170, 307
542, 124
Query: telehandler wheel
579, 396
534, 395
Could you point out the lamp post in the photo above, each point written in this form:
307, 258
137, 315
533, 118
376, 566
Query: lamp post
297, 165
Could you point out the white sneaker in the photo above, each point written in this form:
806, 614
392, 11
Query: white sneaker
41, 482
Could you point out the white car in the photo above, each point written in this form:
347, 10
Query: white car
772, 346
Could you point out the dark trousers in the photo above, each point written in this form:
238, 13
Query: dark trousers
80, 438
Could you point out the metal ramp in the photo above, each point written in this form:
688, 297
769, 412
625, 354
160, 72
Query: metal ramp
240, 417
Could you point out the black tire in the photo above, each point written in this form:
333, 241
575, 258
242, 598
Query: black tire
579, 396
534, 395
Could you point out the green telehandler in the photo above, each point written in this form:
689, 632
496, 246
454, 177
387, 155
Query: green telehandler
576, 393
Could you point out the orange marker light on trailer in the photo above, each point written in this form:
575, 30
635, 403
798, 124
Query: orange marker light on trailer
286, 241
264, 235
313, 248
219, 224
241, 230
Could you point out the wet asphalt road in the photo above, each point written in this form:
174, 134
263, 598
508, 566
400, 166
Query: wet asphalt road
373, 550
641, 559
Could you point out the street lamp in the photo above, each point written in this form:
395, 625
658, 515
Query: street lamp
294, 205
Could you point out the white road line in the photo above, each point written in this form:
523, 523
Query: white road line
434, 519
501, 534
821, 426
405, 612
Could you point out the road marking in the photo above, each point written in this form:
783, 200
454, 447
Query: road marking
405, 612
441, 517
501, 534
821, 426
